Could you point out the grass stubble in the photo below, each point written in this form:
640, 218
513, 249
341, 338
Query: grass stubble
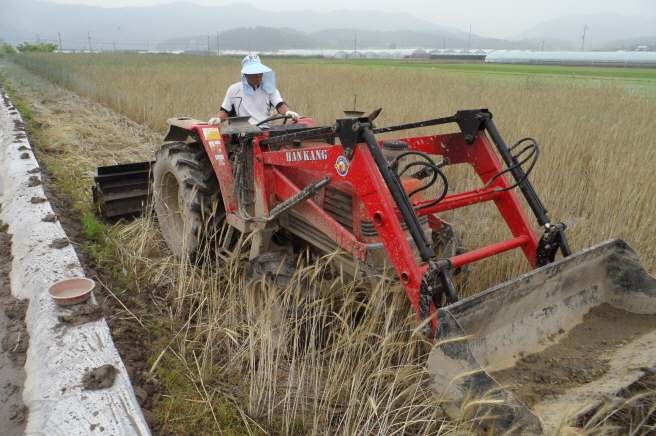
237, 358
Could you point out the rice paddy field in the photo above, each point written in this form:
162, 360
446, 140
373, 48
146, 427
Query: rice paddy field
224, 360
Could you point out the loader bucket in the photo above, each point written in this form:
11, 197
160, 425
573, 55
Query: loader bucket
530, 354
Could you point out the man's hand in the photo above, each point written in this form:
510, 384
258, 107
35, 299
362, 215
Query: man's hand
294, 116
214, 121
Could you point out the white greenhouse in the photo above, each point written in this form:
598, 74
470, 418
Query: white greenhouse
593, 58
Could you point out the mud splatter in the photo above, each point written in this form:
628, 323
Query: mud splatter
15, 342
17, 413
34, 181
99, 378
60, 243
81, 314
49, 218
15, 309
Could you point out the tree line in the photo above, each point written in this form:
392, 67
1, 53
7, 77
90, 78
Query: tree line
24, 47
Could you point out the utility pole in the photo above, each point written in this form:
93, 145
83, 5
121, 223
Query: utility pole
469, 40
355, 43
208, 45
89, 39
60, 42
218, 51
585, 29
114, 45
542, 45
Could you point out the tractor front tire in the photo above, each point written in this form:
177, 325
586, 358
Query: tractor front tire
187, 199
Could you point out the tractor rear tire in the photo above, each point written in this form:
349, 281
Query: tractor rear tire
187, 199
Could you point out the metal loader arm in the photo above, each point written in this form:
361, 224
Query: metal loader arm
473, 147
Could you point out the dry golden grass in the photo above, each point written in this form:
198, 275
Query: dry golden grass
597, 152
300, 362
595, 172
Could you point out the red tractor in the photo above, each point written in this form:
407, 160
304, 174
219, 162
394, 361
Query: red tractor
379, 202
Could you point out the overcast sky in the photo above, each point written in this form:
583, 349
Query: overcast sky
494, 18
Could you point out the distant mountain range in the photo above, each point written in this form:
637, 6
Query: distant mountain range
601, 30
271, 39
186, 26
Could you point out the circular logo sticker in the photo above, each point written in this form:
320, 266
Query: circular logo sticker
342, 165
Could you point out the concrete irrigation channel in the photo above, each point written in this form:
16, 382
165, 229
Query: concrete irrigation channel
69, 375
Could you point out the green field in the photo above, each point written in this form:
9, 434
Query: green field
628, 73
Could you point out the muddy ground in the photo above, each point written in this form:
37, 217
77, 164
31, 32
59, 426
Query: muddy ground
14, 340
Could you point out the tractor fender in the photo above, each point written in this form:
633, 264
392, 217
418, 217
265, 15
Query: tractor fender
181, 129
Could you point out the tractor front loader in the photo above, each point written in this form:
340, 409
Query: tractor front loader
379, 201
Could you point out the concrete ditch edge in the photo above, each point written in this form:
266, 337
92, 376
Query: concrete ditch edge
57, 356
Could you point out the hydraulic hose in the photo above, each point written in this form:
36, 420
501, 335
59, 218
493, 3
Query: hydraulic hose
400, 198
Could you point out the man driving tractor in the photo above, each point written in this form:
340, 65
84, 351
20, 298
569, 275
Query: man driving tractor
254, 96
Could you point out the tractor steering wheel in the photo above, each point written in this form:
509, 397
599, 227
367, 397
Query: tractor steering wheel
273, 118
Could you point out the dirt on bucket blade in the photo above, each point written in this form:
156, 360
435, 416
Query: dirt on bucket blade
581, 357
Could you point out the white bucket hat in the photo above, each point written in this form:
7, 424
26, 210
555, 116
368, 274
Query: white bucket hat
251, 64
